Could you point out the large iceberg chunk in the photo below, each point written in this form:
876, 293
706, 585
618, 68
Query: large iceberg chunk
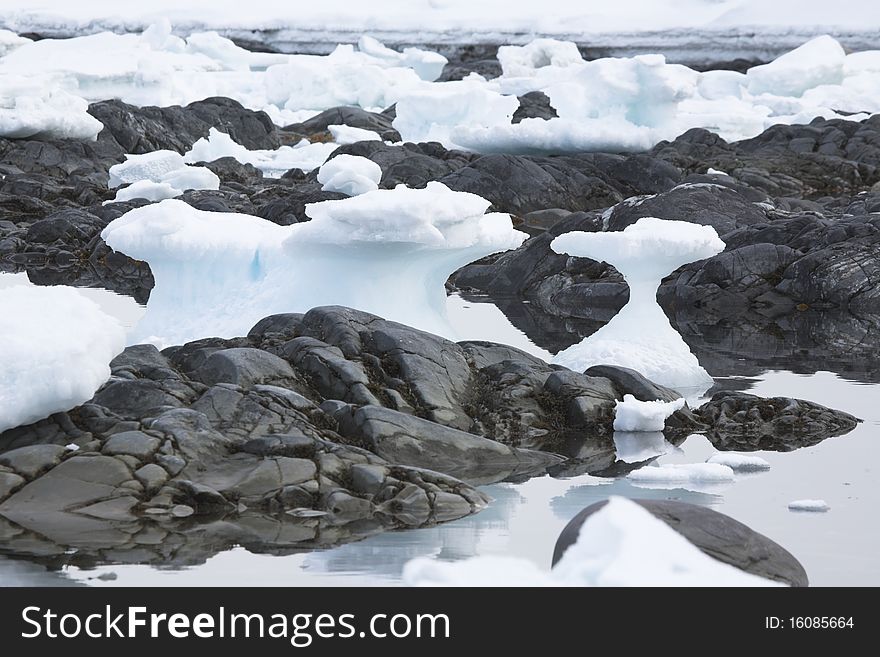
55, 347
640, 335
819, 61
622, 544
388, 252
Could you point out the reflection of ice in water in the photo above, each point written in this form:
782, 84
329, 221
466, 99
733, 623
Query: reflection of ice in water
640, 335
638, 446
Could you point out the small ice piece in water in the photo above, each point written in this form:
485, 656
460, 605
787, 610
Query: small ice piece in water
632, 414
814, 506
388, 252
640, 336
622, 544
349, 174
739, 462
55, 347
683, 473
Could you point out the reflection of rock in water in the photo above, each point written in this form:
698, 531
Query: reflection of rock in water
385, 554
569, 504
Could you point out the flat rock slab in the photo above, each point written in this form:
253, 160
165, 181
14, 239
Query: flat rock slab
32, 460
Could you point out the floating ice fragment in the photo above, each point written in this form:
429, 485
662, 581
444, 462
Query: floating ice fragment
739, 462
622, 544
683, 473
814, 506
640, 336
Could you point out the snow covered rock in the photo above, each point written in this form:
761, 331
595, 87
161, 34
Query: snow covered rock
621, 544
218, 273
349, 174
55, 346
640, 336
714, 533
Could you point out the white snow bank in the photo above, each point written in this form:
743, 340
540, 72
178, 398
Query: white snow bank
274, 164
632, 414
158, 175
55, 346
622, 544
640, 336
683, 473
815, 506
349, 174
388, 252
739, 462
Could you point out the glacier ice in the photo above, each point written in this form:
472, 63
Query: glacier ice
640, 336
349, 174
387, 251
632, 414
621, 544
55, 345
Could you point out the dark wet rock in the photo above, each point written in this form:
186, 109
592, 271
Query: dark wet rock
744, 422
717, 535
414, 165
355, 117
32, 460
131, 443
409, 440
534, 105
145, 129
458, 70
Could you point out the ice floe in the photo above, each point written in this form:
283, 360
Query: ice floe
640, 336
388, 252
813, 506
682, 474
55, 345
739, 462
632, 414
622, 544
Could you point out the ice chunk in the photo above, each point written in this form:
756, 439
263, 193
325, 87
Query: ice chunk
428, 65
815, 506
55, 346
818, 62
32, 109
683, 473
432, 112
343, 134
517, 61
9, 41
632, 414
388, 252
146, 189
274, 164
640, 336
739, 462
148, 166
622, 544
349, 174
